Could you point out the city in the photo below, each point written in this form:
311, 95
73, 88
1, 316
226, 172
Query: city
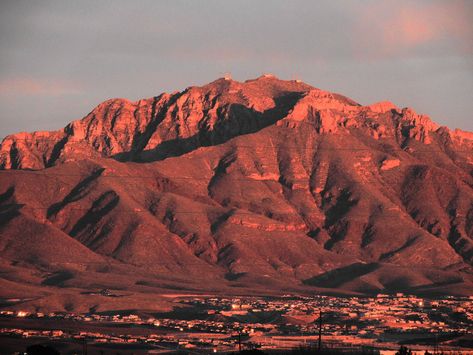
221, 324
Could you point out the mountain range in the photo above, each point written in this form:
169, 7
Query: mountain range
266, 186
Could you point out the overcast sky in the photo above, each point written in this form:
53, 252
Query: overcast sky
61, 58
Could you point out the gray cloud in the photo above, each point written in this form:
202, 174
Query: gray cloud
61, 58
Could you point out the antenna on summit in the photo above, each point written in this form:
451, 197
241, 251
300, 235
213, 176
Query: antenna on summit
296, 78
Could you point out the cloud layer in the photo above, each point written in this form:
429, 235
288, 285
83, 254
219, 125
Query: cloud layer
59, 59
32, 87
396, 28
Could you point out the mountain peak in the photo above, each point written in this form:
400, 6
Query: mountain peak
264, 182
208, 115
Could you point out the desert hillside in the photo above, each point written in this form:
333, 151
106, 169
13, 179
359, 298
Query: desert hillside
265, 185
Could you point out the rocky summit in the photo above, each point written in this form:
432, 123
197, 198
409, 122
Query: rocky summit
259, 187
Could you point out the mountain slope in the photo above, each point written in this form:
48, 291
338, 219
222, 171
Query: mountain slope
266, 184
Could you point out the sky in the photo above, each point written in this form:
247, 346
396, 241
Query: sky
59, 59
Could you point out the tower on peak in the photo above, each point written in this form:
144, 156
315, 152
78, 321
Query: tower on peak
296, 79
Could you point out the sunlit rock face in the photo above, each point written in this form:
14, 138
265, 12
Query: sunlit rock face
264, 182
153, 129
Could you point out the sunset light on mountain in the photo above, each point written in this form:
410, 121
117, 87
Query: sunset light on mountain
262, 177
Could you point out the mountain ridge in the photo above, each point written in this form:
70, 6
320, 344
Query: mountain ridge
258, 186
125, 128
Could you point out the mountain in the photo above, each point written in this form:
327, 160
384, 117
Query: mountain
262, 186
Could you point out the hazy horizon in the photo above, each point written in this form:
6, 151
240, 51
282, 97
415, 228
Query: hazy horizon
61, 59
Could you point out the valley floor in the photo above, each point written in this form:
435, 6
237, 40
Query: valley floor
206, 324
